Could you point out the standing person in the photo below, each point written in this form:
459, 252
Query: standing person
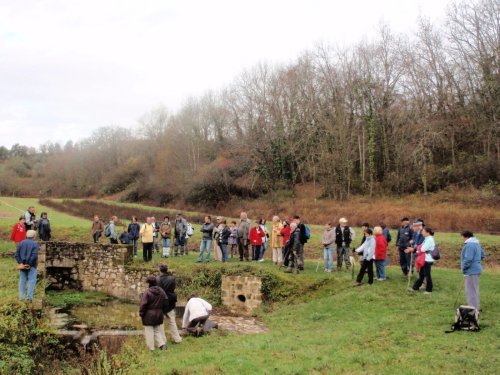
166, 235
18, 233
285, 233
125, 237
43, 227
277, 240
196, 314
166, 281
27, 262
207, 230
344, 235
470, 263
243, 236
386, 232
30, 218
97, 228
368, 251
217, 229
263, 226
294, 247
155, 234
425, 271
233, 238
152, 306
328, 244
223, 239
189, 233
113, 237
303, 239
416, 241
146, 234
405, 235
255, 237
180, 230
133, 232
380, 252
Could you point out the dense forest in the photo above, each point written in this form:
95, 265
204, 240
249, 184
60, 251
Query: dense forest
392, 114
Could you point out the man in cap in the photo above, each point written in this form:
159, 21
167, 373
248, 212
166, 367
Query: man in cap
403, 242
27, 262
344, 235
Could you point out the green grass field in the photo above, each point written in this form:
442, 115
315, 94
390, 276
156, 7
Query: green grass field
330, 328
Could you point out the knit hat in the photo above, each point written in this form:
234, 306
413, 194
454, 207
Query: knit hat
418, 222
31, 233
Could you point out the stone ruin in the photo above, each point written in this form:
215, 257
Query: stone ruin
241, 294
86, 266
105, 268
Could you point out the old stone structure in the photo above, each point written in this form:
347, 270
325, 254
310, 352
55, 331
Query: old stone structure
86, 266
241, 294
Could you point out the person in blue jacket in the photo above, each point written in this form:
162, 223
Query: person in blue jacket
27, 262
472, 254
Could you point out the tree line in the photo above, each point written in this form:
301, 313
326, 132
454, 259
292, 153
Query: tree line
394, 114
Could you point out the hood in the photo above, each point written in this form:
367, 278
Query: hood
472, 240
155, 290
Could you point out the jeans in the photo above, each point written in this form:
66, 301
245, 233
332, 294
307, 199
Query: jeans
223, 249
424, 273
262, 250
147, 251
328, 256
256, 252
30, 276
135, 242
96, 236
380, 265
165, 242
205, 245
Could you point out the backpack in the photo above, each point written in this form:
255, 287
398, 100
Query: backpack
466, 319
190, 230
107, 230
305, 234
435, 254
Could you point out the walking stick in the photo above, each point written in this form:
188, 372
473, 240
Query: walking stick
409, 270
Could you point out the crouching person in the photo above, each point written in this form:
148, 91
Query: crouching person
368, 251
195, 315
152, 307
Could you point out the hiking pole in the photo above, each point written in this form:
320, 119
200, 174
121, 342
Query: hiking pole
460, 286
409, 270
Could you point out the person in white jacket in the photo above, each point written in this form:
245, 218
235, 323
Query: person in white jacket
195, 315
368, 251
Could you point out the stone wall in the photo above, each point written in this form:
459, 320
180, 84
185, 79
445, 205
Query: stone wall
241, 294
96, 267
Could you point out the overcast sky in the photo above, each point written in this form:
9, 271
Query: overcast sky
68, 67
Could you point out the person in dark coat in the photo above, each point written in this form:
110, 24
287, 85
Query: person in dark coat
153, 304
43, 227
294, 245
167, 282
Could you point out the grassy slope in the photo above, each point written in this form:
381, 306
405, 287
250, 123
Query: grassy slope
336, 329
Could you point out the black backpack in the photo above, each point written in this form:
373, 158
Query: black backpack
466, 319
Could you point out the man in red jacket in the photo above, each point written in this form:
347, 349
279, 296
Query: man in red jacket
18, 231
255, 238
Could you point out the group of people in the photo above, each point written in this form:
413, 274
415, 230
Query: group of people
151, 234
159, 301
415, 243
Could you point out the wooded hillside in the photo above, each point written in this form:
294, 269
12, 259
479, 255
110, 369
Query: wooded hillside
393, 114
